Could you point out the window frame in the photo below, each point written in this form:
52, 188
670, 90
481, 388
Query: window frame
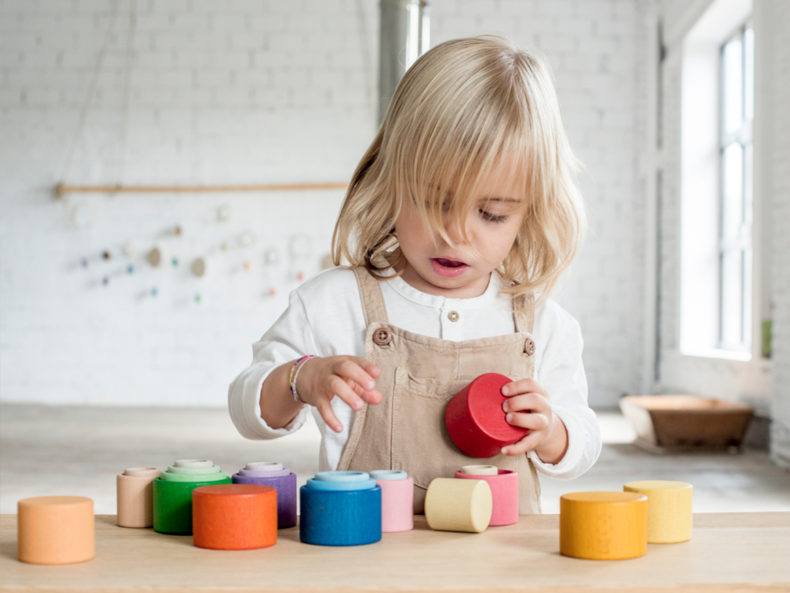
738, 244
700, 182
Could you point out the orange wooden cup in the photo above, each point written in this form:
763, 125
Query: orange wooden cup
55, 529
234, 516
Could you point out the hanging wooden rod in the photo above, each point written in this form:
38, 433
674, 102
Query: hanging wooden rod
64, 188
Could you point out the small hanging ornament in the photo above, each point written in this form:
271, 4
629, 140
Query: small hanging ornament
224, 212
199, 267
81, 215
155, 256
299, 246
271, 256
246, 239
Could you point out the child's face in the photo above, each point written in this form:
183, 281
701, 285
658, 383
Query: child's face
463, 269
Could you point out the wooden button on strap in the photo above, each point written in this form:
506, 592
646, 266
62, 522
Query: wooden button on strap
382, 336
529, 346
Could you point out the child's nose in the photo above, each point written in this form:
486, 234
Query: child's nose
455, 231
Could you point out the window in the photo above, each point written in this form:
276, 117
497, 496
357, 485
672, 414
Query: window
717, 109
736, 114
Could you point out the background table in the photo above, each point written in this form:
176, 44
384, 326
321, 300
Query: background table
727, 552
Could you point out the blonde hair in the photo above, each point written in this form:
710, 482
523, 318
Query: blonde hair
465, 107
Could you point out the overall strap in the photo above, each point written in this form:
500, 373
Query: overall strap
524, 313
372, 299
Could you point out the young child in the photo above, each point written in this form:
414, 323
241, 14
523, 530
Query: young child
457, 223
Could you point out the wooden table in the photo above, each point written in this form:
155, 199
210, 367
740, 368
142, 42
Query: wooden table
728, 552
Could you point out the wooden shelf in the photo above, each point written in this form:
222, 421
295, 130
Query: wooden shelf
64, 188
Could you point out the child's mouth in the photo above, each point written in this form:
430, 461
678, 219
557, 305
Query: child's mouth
448, 267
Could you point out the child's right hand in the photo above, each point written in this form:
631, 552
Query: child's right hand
351, 378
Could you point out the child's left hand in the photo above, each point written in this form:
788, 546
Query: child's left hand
528, 406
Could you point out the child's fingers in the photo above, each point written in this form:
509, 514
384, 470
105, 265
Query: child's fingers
532, 402
343, 390
528, 443
372, 397
327, 413
352, 372
529, 420
370, 368
523, 386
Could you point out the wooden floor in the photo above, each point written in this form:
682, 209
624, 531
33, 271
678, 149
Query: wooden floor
78, 450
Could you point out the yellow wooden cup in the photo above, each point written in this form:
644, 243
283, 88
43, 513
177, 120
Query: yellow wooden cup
603, 525
669, 516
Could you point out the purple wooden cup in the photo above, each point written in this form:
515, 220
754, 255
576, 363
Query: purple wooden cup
269, 473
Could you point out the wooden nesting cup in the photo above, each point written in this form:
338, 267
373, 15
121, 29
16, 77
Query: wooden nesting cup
55, 529
603, 525
234, 516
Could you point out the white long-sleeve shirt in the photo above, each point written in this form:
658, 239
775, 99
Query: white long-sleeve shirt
325, 318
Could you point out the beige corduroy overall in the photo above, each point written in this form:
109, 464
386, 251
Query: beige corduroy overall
419, 375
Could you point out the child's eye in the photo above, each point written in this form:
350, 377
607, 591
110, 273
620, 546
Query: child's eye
492, 217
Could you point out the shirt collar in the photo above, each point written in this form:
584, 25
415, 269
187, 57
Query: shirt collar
490, 298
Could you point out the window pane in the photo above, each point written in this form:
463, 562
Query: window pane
732, 73
748, 69
731, 298
747, 185
746, 339
732, 185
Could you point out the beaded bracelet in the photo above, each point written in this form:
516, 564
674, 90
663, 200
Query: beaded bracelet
295, 373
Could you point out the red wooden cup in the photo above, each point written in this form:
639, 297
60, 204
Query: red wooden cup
475, 418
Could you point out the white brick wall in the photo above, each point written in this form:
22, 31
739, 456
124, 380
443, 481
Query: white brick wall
253, 91
779, 189
219, 94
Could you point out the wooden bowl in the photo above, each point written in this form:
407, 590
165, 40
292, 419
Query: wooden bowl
686, 422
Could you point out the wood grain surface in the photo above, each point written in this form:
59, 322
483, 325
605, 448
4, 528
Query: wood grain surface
730, 553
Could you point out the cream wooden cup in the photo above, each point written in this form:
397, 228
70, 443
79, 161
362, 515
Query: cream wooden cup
453, 504
669, 516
